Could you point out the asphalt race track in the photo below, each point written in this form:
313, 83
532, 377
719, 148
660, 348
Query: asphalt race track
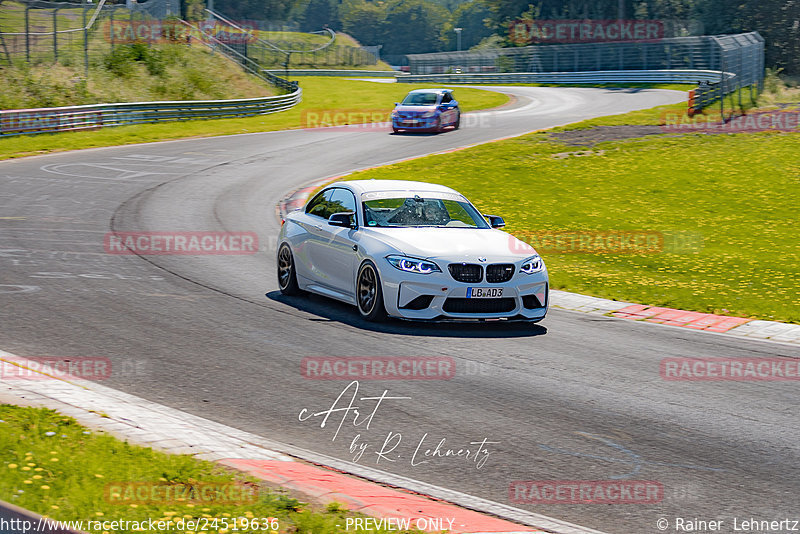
576, 397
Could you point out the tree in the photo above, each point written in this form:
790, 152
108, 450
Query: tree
470, 17
253, 9
193, 10
414, 26
319, 14
366, 22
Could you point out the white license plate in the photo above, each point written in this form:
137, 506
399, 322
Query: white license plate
484, 292
412, 121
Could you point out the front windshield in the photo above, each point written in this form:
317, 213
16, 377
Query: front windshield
420, 99
419, 211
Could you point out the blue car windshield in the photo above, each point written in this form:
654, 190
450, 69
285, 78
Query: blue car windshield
420, 99
416, 212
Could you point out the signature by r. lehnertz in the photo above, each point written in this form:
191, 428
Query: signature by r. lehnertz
360, 412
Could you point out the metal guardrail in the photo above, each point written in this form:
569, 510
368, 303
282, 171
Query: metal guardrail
95, 116
687, 76
338, 72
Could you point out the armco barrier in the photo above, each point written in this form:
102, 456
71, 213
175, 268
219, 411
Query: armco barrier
90, 117
338, 72
687, 76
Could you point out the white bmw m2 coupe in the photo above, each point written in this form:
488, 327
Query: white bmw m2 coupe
409, 250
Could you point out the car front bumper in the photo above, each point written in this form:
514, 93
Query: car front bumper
437, 297
414, 124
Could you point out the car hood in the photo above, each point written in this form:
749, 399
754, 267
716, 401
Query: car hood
454, 244
407, 109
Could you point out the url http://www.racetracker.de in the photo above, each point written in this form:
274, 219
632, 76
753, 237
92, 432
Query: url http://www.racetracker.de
177, 524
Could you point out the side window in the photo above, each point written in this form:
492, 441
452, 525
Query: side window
319, 204
446, 98
342, 201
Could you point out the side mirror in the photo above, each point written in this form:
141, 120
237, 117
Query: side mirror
495, 221
344, 219
396, 104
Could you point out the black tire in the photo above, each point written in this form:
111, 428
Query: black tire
395, 130
458, 122
287, 275
439, 125
369, 293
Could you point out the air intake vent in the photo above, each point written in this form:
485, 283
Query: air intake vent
459, 305
469, 273
499, 273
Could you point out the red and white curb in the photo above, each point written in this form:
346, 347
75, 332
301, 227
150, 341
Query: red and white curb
707, 322
322, 478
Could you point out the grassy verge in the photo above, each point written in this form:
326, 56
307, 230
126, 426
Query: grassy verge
53, 466
131, 73
319, 93
735, 193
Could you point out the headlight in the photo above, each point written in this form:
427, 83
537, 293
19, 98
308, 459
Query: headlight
534, 264
413, 265
395, 113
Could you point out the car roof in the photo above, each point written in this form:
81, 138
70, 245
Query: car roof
437, 91
366, 186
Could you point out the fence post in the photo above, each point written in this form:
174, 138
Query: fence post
722, 86
27, 37
55, 35
85, 43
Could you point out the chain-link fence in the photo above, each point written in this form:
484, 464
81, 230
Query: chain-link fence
71, 33
739, 59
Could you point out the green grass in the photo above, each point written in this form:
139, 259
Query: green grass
319, 93
737, 192
132, 73
51, 465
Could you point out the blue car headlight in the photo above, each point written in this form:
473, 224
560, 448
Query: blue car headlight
413, 265
532, 265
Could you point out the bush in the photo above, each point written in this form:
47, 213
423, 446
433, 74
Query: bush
122, 59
